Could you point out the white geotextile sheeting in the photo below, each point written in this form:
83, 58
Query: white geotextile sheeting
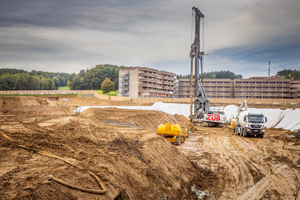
291, 120
286, 119
171, 108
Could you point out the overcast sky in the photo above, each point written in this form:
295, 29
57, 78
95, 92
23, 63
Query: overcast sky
69, 35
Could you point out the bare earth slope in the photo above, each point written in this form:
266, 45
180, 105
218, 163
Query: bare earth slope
121, 147
132, 161
249, 168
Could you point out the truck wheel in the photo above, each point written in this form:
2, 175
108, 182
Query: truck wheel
244, 133
177, 140
236, 132
182, 139
261, 136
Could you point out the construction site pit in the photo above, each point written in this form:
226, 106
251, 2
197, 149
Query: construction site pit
110, 153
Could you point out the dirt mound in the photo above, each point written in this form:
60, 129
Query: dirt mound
128, 147
132, 162
90, 101
148, 120
30, 106
185, 122
248, 168
121, 148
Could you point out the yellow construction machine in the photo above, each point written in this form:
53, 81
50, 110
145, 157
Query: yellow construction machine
173, 133
233, 122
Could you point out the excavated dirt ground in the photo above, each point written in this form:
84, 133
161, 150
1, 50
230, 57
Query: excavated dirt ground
122, 148
248, 168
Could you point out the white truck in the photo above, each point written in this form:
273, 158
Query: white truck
250, 123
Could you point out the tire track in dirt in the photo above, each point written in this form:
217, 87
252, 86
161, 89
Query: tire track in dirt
250, 168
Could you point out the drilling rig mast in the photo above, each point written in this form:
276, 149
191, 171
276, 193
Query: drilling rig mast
199, 101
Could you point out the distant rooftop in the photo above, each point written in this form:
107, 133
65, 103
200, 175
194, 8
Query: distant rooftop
267, 77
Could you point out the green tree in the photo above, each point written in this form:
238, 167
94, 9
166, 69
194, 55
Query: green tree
107, 86
56, 81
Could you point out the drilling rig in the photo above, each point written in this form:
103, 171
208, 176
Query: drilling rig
199, 101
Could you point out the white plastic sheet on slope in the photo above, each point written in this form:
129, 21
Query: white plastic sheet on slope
291, 120
286, 119
171, 108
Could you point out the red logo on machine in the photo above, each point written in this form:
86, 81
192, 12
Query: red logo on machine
213, 117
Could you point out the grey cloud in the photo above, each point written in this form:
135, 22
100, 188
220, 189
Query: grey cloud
74, 35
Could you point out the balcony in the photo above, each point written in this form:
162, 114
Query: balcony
184, 84
217, 84
167, 73
156, 91
168, 87
168, 83
184, 89
168, 78
149, 75
148, 80
240, 89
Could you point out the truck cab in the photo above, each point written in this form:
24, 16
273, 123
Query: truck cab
254, 124
250, 124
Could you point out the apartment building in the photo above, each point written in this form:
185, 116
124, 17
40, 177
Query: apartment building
176, 89
214, 88
144, 82
245, 88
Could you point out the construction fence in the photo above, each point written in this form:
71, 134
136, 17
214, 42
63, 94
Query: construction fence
151, 100
54, 92
218, 100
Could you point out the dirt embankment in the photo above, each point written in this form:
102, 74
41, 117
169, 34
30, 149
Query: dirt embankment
249, 168
31, 106
122, 148
148, 120
73, 100
132, 161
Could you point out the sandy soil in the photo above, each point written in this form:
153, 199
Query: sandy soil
248, 168
122, 148
73, 100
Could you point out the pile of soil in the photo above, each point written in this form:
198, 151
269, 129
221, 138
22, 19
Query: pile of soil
132, 162
31, 106
148, 120
73, 100
127, 146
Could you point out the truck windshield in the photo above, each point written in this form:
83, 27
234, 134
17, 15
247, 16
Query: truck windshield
256, 119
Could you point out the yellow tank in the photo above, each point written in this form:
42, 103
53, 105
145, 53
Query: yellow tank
173, 133
169, 130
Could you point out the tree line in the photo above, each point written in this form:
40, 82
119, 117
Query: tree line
91, 79
18, 79
216, 74
289, 74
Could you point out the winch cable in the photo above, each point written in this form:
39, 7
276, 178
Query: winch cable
44, 153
